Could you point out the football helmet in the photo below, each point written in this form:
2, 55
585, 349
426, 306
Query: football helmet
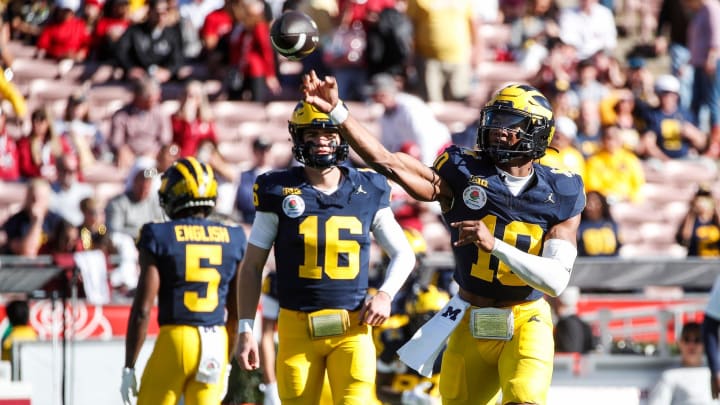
187, 183
307, 117
520, 108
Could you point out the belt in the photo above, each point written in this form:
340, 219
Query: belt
484, 302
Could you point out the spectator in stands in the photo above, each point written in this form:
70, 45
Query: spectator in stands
562, 154
589, 135
151, 48
686, 383
640, 80
27, 18
93, 232
703, 43
196, 11
214, 36
39, 149
141, 127
18, 329
193, 122
389, 43
84, 135
191, 45
113, 22
671, 38
571, 333
68, 190
28, 229
614, 171
8, 89
127, 212
671, 132
64, 36
598, 234
699, 230
262, 148
618, 109
530, 35
407, 119
9, 158
589, 27
587, 86
609, 70
252, 59
64, 238
445, 47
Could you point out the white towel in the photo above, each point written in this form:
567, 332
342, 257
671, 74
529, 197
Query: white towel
420, 352
93, 268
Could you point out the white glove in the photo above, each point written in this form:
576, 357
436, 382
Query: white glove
418, 395
271, 394
129, 385
225, 382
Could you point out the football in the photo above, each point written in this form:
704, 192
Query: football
294, 35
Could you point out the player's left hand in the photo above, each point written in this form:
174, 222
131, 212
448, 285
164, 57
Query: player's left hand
323, 94
376, 310
474, 232
128, 385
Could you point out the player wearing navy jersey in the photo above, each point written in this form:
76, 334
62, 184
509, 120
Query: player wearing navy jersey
513, 229
190, 264
319, 218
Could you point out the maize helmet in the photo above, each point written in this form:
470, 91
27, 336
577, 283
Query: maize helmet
526, 111
307, 117
186, 184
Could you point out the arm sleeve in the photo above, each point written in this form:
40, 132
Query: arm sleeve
391, 238
264, 229
549, 273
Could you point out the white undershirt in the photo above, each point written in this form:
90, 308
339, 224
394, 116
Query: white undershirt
514, 184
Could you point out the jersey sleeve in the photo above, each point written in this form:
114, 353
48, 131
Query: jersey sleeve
381, 183
147, 240
239, 240
445, 165
569, 186
263, 198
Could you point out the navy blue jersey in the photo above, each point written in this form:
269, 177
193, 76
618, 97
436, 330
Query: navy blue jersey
521, 221
668, 129
196, 258
598, 238
322, 247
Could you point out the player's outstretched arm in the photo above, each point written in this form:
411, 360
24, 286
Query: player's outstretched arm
250, 276
420, 181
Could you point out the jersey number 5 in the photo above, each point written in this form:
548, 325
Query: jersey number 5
483, 269
195, 273
334, 246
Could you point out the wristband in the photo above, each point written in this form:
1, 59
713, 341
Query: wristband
245, 325
339, 114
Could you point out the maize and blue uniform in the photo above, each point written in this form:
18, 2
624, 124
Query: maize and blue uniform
322, 255
196, 259
473, 369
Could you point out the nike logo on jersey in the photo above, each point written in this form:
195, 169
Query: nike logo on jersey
550, 198
451, 313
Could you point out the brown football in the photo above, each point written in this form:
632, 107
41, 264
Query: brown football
294, 35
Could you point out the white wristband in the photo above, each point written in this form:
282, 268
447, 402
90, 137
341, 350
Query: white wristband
246, 325
339, 114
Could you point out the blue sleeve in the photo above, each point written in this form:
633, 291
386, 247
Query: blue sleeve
381, 182
147, 240
710, 339
263, 199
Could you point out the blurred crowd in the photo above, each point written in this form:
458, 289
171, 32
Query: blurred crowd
411, 63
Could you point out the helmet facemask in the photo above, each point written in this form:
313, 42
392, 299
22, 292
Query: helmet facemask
306, 118
525, 115
529, 131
